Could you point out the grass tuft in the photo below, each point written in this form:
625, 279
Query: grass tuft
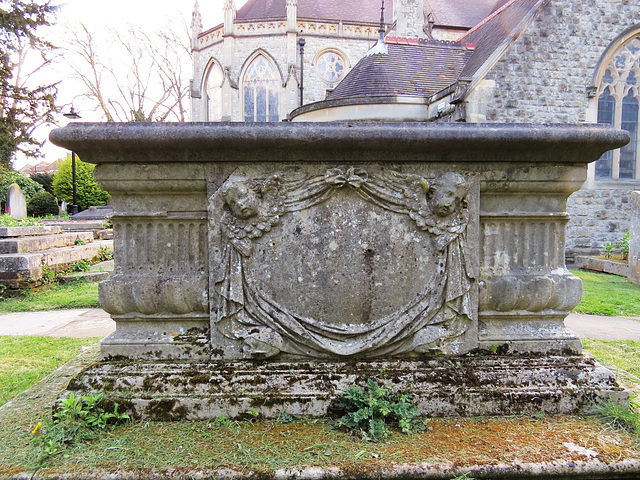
619, 417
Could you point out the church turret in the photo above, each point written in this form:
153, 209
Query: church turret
196, 25
409, 18
229, 16
292, 15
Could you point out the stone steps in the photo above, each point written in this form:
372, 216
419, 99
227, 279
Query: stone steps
43, 242
29, 231
20, 269
29, 253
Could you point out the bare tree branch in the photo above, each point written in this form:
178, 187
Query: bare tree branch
141, 78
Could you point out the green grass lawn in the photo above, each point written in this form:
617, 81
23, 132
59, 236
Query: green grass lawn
605, 294
77, 294
26, 360
623, 354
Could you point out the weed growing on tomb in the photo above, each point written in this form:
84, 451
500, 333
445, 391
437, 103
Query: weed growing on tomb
79, 266
105, 253
77, 419
369, 410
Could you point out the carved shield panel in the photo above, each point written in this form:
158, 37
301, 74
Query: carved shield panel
343, 262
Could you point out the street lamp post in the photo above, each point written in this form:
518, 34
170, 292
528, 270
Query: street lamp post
73, 115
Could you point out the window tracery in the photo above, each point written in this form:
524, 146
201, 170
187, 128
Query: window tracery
618, 105
331, 66
213, 90
261, 91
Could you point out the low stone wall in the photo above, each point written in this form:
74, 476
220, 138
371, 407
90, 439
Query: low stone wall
602, 265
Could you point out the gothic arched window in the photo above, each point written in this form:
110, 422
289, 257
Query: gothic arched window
213, 91
261, 91
618, 105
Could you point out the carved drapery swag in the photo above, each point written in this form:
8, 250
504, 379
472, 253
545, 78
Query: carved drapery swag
440, 314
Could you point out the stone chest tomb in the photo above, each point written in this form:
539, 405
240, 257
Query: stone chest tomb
269, 266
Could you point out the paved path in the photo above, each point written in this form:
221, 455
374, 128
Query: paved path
97, 323
604, 328
85, 322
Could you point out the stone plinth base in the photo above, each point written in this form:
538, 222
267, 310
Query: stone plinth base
463, 386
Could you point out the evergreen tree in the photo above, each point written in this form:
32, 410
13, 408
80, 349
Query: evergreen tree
22, 107
44, 179
88, 192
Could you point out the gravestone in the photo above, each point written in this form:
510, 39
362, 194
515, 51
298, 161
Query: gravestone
267, 267
634, 240
16, 202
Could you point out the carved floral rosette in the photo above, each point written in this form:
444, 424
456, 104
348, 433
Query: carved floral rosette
435, 213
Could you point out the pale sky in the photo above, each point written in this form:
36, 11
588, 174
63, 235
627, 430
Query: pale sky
99, 16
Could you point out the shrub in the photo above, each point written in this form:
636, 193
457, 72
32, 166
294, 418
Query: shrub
42, 204
88, 191
29, 187
44, 179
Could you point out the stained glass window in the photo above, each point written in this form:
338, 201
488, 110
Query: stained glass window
606, 114
213, 90
618, 105
331, 66
629, 123
261, 90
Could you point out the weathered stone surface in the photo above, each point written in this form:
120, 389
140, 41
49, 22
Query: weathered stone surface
599, 214
330, 262
28, 231
318, 242
634, 239
461, 386
16, 202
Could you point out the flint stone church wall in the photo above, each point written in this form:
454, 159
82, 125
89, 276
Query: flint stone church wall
545, 77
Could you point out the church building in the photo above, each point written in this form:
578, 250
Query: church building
507, 61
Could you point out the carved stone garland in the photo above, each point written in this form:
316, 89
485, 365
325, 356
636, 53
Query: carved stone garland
428, 325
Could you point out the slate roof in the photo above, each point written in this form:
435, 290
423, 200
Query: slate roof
410, 68
460, 13
360, 11
422, 68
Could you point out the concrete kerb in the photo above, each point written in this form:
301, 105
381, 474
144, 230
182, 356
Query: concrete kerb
591, 469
